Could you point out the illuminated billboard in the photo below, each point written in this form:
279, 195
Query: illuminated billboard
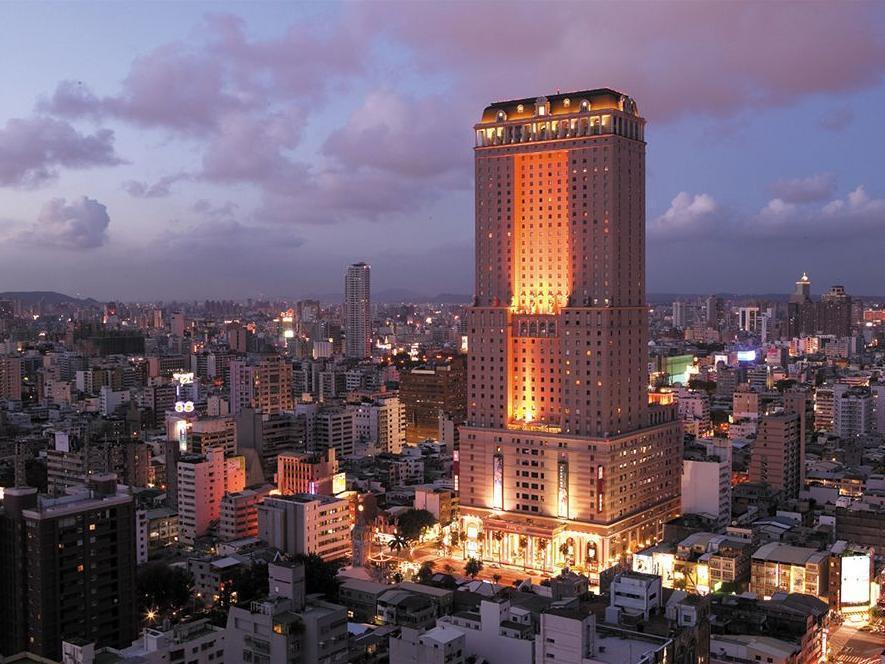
498, 481
855, 581
181, 434
562, 481
746, 355
339, 483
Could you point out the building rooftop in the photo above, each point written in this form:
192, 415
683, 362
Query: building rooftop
441, 634
785, 553
561, 103
307, 498
766, 644
618, 646
365, 586
226, 562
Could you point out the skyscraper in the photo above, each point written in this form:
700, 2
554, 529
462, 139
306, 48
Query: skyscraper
563, 460
357, 312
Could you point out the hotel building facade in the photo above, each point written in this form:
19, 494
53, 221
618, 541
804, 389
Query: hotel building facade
563, 460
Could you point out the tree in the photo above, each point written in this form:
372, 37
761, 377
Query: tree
728, 588
320, 576
498, 536
708, 386
412, 523
496, 577
398, 543
246, 585
448, 568
473, 567
162, 588
425, 572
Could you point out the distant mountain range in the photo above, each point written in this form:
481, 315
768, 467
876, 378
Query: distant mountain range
667, 298
49, 297
404, 295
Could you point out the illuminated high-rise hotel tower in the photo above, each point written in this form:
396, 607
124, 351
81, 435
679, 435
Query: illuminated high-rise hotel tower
563, 460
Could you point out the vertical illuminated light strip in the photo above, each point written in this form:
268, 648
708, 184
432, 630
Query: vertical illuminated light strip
541, 278
456, 468
600, 487
562, 476
498, 481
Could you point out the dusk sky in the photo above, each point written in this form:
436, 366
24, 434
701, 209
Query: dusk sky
225, 150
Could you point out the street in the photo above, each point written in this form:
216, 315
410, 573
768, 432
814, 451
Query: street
852, 646
508, 575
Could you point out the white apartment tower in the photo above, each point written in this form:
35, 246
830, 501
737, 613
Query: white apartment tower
357, 312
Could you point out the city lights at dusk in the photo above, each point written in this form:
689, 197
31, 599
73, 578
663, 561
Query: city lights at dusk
472, 332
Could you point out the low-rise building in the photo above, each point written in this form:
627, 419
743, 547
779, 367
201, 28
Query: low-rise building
401, 607
777, 567
287, 626
307, 523
361, 598
239, 513
440, 645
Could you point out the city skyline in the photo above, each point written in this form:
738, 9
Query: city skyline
257, 150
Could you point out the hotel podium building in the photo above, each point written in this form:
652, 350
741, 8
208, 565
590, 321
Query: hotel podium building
563, 460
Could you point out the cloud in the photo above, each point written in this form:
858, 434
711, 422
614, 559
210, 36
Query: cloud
205, 208
391, 132
191, 87
805, 190
700, 218
366, 115
857, 207
777, 209
81, 224
687, 214
33, 149
844, 220
255, 150
159, 189
229, 237
169, 87
717, 59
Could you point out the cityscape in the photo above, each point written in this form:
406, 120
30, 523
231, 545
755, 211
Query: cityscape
384, 332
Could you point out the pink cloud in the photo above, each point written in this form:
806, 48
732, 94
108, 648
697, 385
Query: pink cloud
676, 59
192, 87
81, 224
391, 132
159, 189
805, 190
246, 100
255, 149
33, 149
